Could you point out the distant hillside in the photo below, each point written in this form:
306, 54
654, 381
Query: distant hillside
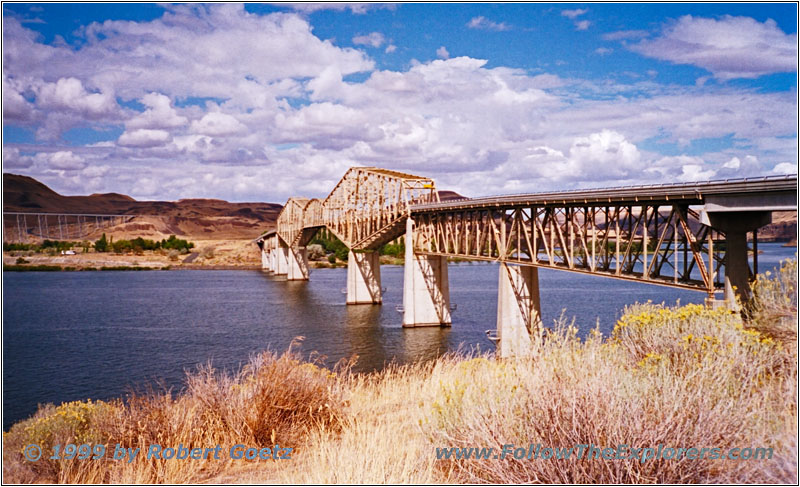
196, 218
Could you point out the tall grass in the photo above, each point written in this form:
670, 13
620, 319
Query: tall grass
673, 376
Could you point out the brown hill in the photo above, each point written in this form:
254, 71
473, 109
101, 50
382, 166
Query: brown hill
195, 218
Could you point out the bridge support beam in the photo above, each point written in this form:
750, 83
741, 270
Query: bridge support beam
363, 278
426, 288
281, 261
297, 263
519, 321
736, 224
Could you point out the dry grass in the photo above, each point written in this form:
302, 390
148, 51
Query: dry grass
273, 400
679, 377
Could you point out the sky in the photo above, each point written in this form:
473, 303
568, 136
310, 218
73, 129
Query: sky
261, 102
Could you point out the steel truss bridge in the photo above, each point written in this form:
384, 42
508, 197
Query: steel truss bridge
688, 235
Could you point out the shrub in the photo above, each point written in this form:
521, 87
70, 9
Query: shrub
207, 253
316, 252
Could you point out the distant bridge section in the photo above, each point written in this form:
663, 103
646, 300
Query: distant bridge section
689, 235
23, 227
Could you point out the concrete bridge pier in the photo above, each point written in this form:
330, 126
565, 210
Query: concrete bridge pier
519, 321
264, 259
736, 224
363, 278
281, 261
426, 288
297, 264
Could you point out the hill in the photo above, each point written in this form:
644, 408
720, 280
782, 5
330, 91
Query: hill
194, 218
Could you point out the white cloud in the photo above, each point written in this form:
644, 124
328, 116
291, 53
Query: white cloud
442, 53
603, 51
15, 106
695, 172
784, 168
61, 160
390, 49
217, 123
144, 138
582, 25
159, 114
96, 171
69, 94
574, 13
250, 107
729, 47
481, 22
12, 159
604, 155
374, 39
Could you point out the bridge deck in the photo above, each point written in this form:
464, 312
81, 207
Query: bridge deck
685, 193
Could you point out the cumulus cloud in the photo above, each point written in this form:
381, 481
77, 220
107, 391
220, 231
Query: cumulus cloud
61, 160
784, 168
69, 94
603, 51
213, 87
729, 47
15, 106
481, 22
695, 172
390, 49
159, 114
12, 159
144, 138
604, 155
217, 123
374, 39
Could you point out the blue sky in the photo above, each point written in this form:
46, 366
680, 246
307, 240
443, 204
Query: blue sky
264, 101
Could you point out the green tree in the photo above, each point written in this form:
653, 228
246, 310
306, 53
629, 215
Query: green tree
101, 245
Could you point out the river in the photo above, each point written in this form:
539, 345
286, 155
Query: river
78, 335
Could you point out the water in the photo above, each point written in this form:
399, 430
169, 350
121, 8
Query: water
74, 335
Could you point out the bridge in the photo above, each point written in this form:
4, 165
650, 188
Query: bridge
29, 227
689, 235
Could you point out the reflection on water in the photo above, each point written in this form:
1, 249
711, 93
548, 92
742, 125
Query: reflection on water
74, 335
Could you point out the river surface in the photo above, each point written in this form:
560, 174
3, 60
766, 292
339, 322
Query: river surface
78, 335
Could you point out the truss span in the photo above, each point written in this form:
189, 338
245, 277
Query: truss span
671, 234
365, 210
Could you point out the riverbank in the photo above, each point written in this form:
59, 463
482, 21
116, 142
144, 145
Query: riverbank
680, 377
